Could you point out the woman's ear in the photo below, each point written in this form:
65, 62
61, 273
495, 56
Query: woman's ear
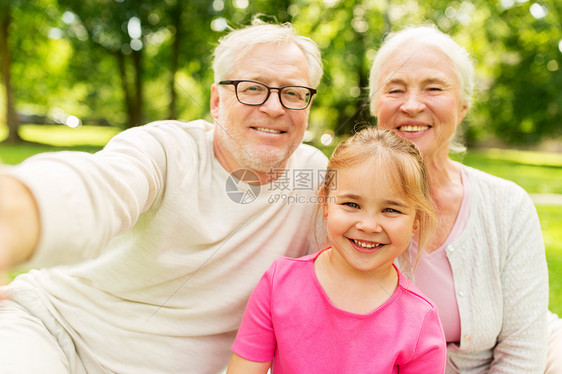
462, 113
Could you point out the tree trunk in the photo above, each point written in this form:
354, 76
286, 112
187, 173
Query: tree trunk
137, 110
5, 56
176, 20
127, 98
362, 106
133, 99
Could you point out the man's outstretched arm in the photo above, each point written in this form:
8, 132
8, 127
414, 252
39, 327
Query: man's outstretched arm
19, 223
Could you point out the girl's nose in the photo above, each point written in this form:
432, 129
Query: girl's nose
369, 223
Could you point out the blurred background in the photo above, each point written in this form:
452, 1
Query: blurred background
75, 72
123, 63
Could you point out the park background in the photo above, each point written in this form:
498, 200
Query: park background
74, 73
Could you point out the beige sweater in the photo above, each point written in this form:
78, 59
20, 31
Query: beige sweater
161, 260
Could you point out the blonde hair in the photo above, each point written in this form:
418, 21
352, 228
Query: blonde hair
237, 44
403, 165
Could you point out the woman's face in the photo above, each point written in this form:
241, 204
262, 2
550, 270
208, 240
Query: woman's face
419, 97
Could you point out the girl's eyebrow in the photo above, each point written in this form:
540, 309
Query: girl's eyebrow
349, 195
396, 203
353, 196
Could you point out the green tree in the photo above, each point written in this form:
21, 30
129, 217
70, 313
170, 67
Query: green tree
6, 59
29, 75
126, 62
117, 27
187, 53
525, 103
166, 59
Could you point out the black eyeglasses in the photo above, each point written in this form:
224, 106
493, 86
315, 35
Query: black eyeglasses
256, 93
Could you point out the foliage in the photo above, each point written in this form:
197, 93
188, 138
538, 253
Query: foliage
528, 76
84, 58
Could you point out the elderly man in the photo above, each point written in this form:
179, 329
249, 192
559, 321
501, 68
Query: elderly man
150, 248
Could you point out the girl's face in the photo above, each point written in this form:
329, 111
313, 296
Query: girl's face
368, 223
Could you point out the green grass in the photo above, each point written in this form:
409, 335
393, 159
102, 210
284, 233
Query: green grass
13, 154
536, 172
551, 223
64, 136
51, 138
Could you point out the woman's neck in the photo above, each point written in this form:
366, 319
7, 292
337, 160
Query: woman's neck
442, 172
445, 185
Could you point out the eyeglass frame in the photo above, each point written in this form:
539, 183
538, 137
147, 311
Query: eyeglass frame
236, 82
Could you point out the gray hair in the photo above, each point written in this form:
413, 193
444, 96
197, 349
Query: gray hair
234, 46
430, 35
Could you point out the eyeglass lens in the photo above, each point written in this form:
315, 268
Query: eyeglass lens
254, 93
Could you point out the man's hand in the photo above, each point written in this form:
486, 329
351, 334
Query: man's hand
3, 274
19, 225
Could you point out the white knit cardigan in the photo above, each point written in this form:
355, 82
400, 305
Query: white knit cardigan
501, 282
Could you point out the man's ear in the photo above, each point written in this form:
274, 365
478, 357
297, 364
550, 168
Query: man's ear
215, 101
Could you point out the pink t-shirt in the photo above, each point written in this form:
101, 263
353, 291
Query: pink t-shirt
290, 320
434, 276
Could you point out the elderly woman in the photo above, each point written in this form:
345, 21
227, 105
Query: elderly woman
485, 268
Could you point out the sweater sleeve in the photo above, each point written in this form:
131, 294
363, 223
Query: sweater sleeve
521, 344
255, 340
85, 199
431, 351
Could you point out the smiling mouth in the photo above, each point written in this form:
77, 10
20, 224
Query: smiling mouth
412, 128
367, 245
271, 131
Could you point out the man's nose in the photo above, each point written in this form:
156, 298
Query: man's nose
272, 105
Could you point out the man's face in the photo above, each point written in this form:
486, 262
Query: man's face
260, 137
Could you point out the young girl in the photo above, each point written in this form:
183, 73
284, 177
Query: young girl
348, 309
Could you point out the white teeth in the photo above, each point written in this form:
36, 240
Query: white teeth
366, 245
413, 128
268, 130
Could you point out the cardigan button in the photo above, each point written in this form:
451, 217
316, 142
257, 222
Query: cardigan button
461, 293
450, 248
